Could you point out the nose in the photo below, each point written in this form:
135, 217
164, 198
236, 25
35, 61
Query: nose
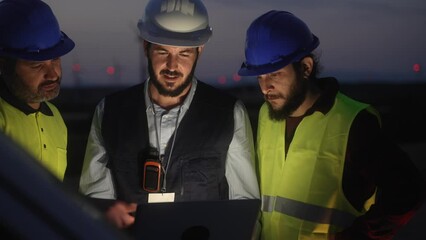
265, 83
53, 69
172, 62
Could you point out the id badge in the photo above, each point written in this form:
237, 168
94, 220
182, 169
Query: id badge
161, 197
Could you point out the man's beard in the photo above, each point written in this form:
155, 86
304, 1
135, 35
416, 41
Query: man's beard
295, 98
163, 90
20, 91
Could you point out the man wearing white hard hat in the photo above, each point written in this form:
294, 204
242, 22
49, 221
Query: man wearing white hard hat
173, 136
31, 44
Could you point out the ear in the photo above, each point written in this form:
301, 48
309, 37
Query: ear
200, 49
308, 64
145, 47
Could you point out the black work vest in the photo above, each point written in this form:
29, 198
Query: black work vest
197, 164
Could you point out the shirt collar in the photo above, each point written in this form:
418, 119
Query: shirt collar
20, 105
185, 104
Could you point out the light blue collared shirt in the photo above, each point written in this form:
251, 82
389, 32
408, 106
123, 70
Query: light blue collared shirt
96, 180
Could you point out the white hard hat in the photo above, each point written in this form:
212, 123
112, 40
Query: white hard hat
175, 23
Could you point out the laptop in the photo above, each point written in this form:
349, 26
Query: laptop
201, 220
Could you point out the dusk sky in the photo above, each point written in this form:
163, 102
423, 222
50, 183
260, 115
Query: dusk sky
361, 40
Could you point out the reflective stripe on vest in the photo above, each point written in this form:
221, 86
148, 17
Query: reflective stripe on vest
307, 211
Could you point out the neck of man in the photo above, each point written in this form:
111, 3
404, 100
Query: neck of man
310, 99
34, 106
167, 102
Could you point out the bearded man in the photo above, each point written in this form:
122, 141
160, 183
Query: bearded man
31, 44
173, 137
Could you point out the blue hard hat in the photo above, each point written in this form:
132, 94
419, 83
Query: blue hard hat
29, 30
274, 40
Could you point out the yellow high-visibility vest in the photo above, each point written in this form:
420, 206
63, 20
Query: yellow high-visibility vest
43, 137
302, 195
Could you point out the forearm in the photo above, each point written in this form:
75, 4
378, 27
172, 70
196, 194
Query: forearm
96, 179
375, 225
375, 162
240, 166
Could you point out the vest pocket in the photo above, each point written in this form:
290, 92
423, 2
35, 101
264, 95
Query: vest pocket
201, 178
127, 174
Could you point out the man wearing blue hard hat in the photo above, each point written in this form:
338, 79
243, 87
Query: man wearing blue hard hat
326, 169
31, 44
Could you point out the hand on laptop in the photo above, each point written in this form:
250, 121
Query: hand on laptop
119, 214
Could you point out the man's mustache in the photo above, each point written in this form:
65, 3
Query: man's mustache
171, 73
48, 82
270, 96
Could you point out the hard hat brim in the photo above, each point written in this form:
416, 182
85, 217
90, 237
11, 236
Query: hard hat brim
250, 70
64, 46
191, 39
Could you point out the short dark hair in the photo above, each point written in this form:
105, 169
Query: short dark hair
316, 68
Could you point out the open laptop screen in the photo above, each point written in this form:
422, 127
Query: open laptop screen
212, 220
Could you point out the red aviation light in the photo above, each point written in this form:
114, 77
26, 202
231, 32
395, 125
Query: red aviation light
110, 70
417, 68
76, 67
222, 80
